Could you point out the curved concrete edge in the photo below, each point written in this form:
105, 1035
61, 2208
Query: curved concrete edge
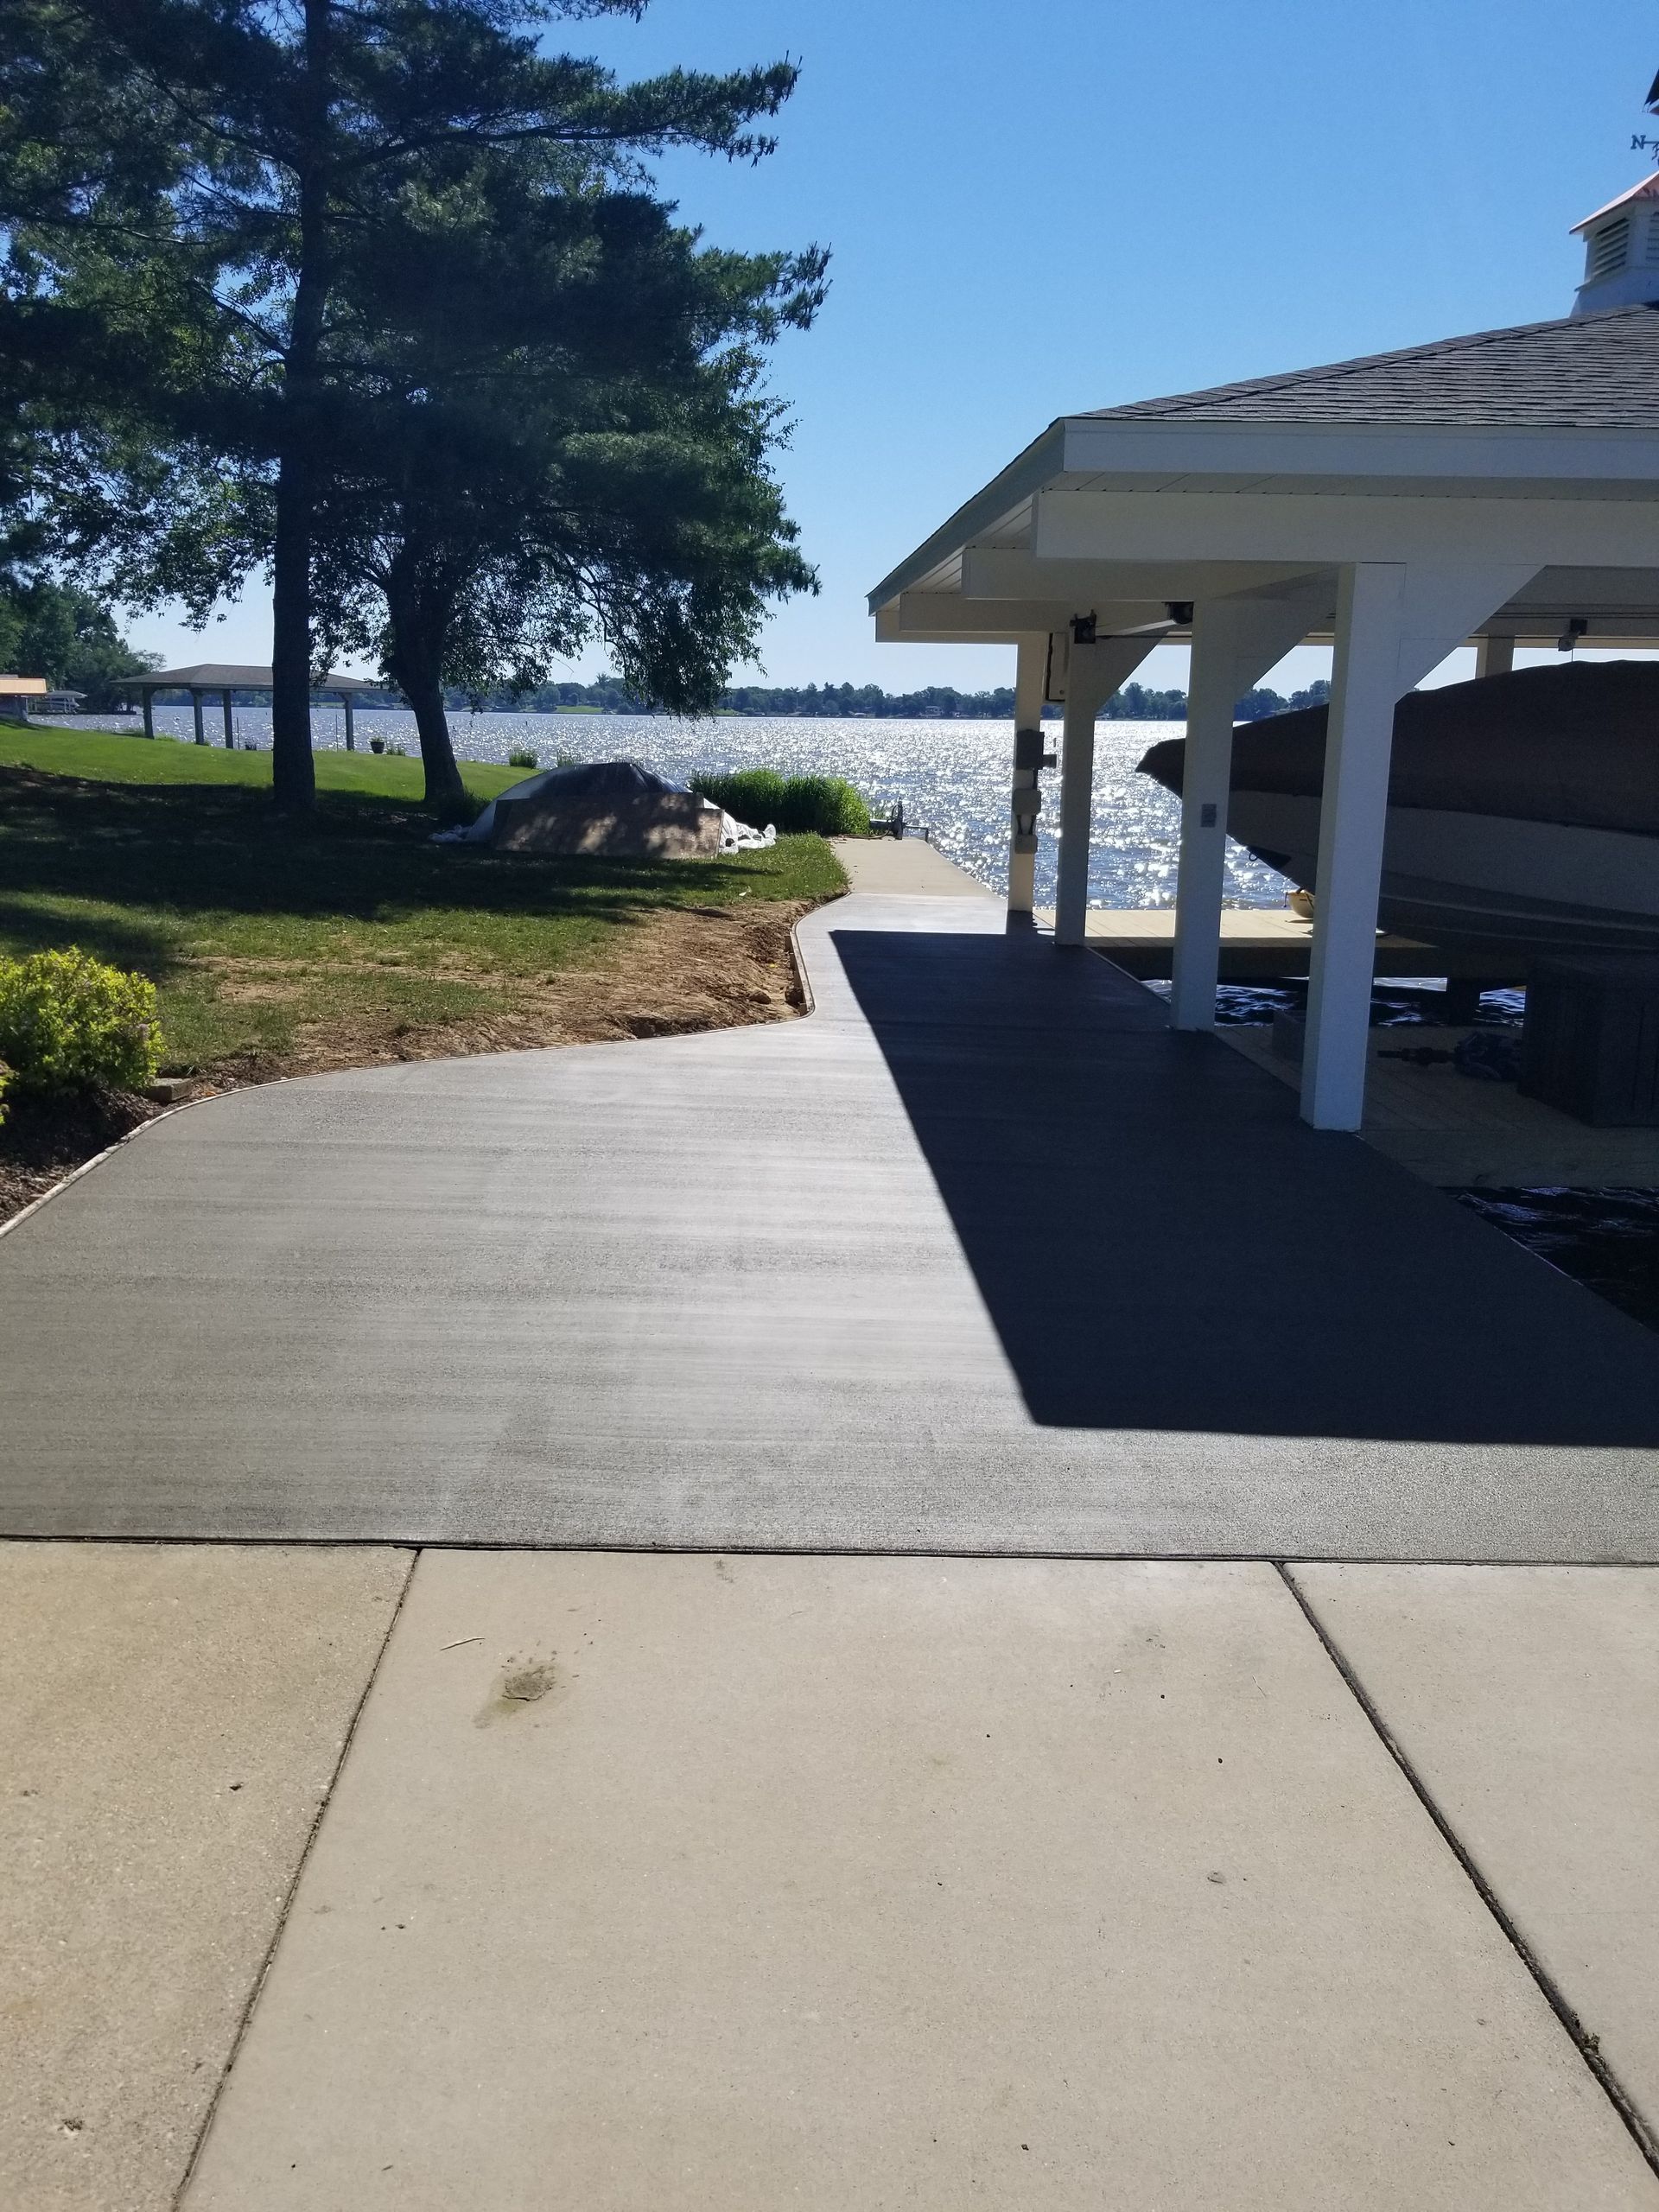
797, 957
97, 1158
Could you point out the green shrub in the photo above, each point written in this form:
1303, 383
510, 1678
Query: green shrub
67, 1022
795, 804
521, 757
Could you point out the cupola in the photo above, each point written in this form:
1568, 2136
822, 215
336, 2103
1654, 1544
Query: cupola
1621, 251
1621, 241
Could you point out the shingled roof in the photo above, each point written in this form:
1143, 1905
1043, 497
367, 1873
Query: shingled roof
1598, 371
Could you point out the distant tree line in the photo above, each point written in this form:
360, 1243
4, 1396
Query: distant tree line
68, 637
609, 694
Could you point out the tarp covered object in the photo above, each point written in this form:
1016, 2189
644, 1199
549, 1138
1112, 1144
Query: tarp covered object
1577, 745
615, 808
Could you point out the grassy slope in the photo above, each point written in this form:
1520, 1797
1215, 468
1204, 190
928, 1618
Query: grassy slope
252, 927
114, 758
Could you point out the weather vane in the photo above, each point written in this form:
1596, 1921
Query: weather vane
1640, 144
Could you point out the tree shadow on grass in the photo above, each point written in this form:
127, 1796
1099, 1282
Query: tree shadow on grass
189, 851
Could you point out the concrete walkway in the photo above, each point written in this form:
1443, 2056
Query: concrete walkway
978, 1257
712, 1884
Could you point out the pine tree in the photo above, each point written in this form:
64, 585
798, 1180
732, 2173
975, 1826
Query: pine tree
210, 176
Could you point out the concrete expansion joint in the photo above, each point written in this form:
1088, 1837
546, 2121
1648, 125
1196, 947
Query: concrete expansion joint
348, 1737
1584, 2041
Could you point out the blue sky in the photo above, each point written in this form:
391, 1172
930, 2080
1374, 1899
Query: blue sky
1039, 206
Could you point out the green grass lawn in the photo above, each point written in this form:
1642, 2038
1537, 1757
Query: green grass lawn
168, 858
112, 757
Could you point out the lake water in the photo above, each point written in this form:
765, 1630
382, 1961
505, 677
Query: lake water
952, 777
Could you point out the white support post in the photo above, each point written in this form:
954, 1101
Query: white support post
1026, 797
1235, 643
1494, 656
1093, 673
1395, 622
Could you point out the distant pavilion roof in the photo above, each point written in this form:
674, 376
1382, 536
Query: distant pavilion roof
236, 676
1597, 371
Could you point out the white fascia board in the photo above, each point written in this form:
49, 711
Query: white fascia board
1038, 464
1362, 451
1277, 527
931, 615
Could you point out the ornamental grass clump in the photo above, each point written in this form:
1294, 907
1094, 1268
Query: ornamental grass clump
69, 1022
795, 804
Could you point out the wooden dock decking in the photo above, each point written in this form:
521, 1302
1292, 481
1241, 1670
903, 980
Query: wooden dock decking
1463, 1133
1258, 943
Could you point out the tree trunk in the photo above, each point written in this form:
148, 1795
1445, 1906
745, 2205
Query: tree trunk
293, 771
444, 790
418, 630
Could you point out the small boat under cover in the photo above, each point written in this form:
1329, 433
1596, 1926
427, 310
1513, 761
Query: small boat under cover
1524, 809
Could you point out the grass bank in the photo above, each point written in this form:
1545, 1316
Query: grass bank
278, 947
111, 757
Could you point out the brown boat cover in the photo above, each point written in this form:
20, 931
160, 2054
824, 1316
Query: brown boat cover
1576, 744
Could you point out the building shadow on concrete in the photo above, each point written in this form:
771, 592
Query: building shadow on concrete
1162, 1244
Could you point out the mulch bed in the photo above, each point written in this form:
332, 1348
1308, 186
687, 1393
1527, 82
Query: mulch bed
42, 1140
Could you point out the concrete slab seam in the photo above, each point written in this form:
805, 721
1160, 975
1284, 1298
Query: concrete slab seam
618, 1548
1583, 2042
292, 1891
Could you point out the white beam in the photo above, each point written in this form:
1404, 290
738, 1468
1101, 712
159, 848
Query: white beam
1026, 797
1431, 456
1394, 623
1093, 674
1123, 595
1494, 656
945, 613
1235, 643
1334, 528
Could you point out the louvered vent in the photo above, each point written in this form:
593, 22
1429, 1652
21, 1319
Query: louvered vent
1608, 248
1652, 239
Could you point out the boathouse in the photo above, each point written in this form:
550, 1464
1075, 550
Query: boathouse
1501, 489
